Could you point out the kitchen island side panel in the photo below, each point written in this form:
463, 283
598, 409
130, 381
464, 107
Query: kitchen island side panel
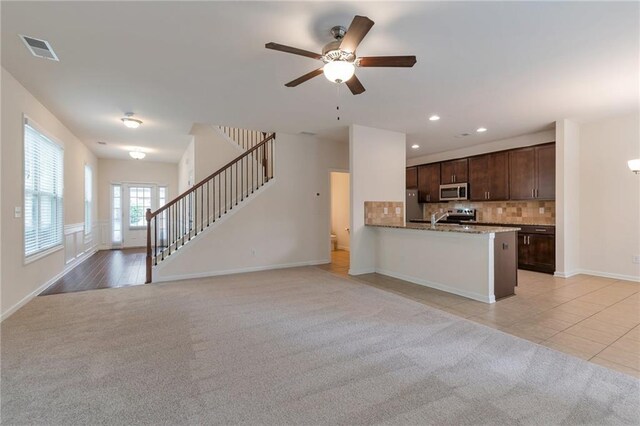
457, 263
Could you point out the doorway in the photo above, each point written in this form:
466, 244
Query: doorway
129, 203
340, 232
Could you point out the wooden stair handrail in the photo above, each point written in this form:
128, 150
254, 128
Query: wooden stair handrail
208, 178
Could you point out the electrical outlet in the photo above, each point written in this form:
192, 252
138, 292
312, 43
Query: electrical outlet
499, 210
635, 259
17, 212
385, 210
398, 210
541, 210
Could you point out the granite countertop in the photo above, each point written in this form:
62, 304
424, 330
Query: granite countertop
512, 224
447, 227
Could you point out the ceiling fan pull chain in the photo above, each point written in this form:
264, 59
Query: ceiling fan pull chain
338, 102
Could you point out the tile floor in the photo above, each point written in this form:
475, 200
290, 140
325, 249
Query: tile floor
593, 318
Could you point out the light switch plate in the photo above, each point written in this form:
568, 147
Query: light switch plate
17, 212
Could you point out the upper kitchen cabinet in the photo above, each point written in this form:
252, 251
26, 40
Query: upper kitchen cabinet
412, 177
489, 177
429, 183
454, 171
532, 173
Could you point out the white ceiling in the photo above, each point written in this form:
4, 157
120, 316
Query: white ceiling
512, 67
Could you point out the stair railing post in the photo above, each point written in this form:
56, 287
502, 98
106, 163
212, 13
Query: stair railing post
148, 280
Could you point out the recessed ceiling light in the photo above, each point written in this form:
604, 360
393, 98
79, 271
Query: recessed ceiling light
434, 118
138, 155
415, 146
481, 130
131, 122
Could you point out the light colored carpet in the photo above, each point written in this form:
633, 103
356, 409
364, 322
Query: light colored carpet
296, 346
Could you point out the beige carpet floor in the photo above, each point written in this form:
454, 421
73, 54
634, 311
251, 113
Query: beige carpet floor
296, 346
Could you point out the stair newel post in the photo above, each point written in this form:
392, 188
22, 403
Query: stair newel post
148, 280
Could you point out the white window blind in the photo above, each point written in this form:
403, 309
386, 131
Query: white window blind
43, 186
88, 196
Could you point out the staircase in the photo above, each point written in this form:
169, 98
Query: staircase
179, 221
246, 139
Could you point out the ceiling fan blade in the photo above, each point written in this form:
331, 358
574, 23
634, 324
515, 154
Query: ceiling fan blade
359, 28
387, 61
355, 86
294, 50
307, 76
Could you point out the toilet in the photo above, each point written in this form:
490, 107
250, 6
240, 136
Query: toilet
334, 242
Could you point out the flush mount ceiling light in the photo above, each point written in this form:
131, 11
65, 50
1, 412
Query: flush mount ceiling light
634, 165
434, 118
138, 155
481, 130
131, 122
415, 146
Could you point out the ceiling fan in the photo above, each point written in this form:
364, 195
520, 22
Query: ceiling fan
339, 56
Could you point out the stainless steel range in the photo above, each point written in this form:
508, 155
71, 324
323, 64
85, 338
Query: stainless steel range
460, 215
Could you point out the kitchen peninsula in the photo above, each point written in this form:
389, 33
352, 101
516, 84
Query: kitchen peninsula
478, 262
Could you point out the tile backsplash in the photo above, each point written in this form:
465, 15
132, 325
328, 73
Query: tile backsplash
384, 213
516, 212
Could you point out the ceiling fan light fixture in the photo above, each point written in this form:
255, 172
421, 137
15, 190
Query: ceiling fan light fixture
339, 71
131, 122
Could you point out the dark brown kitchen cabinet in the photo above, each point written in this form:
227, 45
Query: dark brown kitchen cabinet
454, 171
532, 173
429, 183
412, 177
489, 177
537, 248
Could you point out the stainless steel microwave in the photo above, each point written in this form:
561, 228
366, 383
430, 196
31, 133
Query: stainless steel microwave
453, 192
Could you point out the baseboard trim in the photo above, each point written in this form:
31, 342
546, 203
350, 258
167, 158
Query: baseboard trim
566, 274
68, 267
239, 270
439, 286
610, 275
362, 271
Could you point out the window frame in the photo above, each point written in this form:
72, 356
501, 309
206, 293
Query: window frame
88, 212
39, 254
151, 188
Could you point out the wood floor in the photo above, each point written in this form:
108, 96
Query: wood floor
105, 269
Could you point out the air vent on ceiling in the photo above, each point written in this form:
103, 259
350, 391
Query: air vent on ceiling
461, 135
39, 48
307, 133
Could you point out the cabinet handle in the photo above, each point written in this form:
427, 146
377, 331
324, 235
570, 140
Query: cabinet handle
537, 193
488, 195
533, 193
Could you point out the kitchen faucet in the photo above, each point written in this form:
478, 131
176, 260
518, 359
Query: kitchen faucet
435, 219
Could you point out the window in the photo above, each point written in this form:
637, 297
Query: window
116, 214
139, 202
88, 189
43, 185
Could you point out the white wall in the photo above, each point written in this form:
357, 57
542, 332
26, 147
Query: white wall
498, 145
568, 210
340, 208
610, 197
285, 223
19, 282
186, 168
212, 150
377, 166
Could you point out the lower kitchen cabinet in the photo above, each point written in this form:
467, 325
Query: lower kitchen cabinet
537, 248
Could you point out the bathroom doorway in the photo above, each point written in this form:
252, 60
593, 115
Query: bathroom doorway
340, 232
